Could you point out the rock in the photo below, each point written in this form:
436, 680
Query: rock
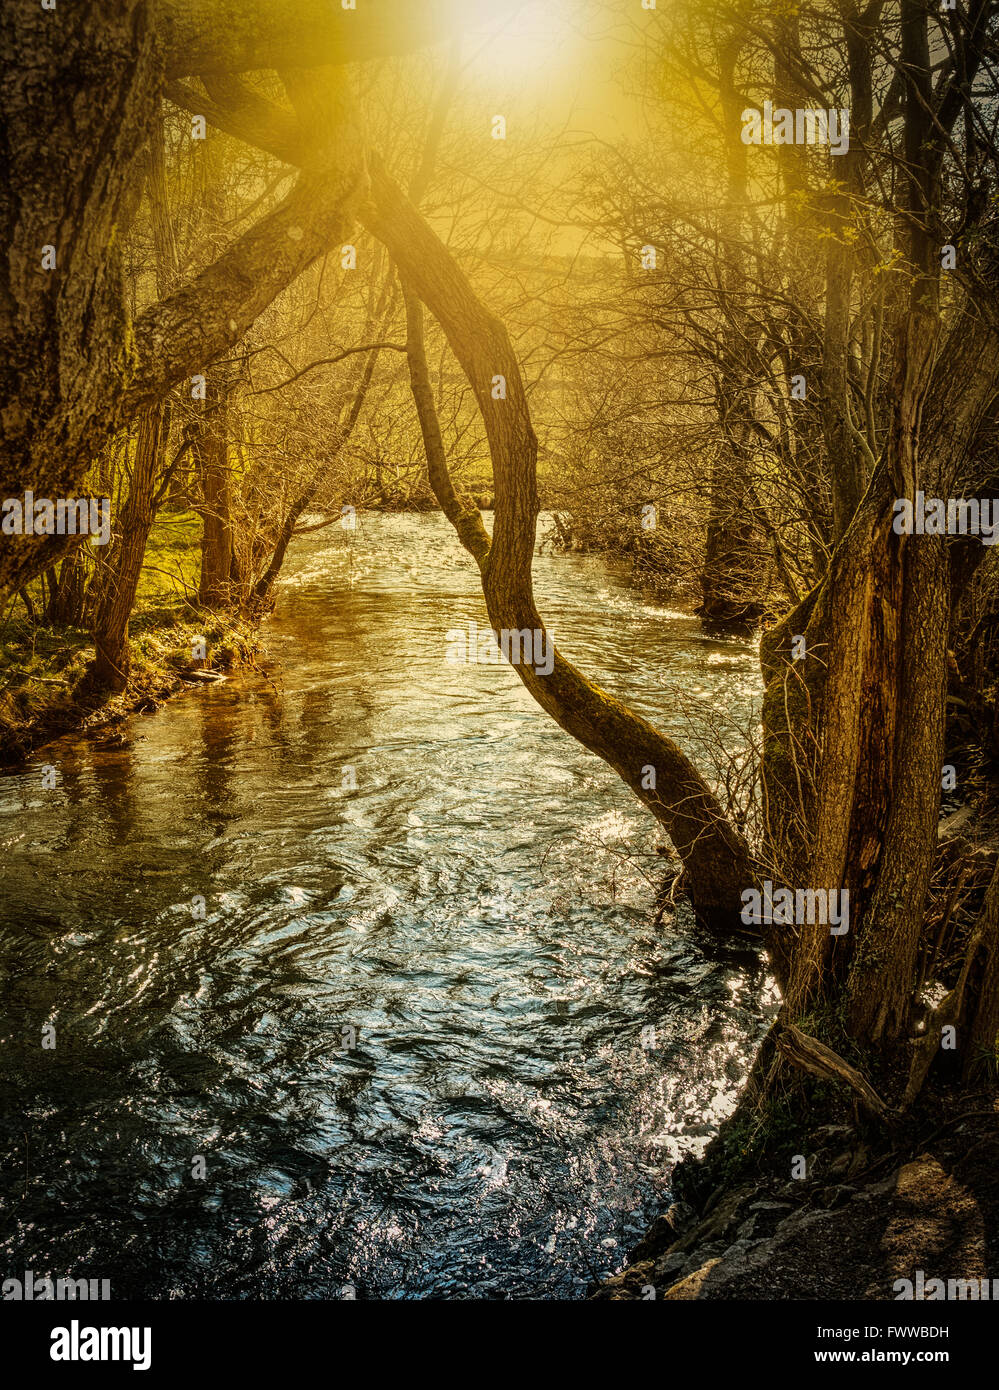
630, 1284
763, 1219
713, 1251
840, 1240
936, 1224
659, 1237
723, 1215
690, 1287
669, 1269
663, 1232
791, 1191
115, 740
836, 1195
714, 1198
681, 1216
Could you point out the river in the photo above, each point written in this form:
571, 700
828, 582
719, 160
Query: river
402, 1037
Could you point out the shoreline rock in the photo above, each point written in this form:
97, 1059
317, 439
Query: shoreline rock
856, 1225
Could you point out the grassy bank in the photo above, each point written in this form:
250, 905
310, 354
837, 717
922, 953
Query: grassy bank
44, 690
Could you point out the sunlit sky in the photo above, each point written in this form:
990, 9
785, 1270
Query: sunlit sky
558, 60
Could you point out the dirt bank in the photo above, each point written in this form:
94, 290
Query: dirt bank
868, 1212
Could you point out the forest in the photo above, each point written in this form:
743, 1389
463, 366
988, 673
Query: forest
645, 356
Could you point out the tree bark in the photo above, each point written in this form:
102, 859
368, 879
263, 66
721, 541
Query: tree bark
211, 450
78, 93
113, 664
67, 603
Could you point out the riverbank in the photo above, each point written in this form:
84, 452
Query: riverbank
44, 666
802, 1195
868, 1213
50, 697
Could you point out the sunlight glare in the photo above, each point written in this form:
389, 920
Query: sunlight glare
525, 42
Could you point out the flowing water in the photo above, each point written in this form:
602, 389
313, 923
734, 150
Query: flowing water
401, 1027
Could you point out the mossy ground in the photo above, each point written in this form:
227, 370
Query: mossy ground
44, 667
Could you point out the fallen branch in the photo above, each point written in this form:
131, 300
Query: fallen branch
812, 1056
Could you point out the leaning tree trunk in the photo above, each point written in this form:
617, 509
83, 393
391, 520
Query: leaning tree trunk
715, 858
113, 664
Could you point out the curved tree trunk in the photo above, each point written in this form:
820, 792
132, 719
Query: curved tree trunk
852, 733
715, 857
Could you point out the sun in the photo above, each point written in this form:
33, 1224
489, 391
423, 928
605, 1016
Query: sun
520, 42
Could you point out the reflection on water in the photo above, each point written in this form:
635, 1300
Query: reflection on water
404, 1032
